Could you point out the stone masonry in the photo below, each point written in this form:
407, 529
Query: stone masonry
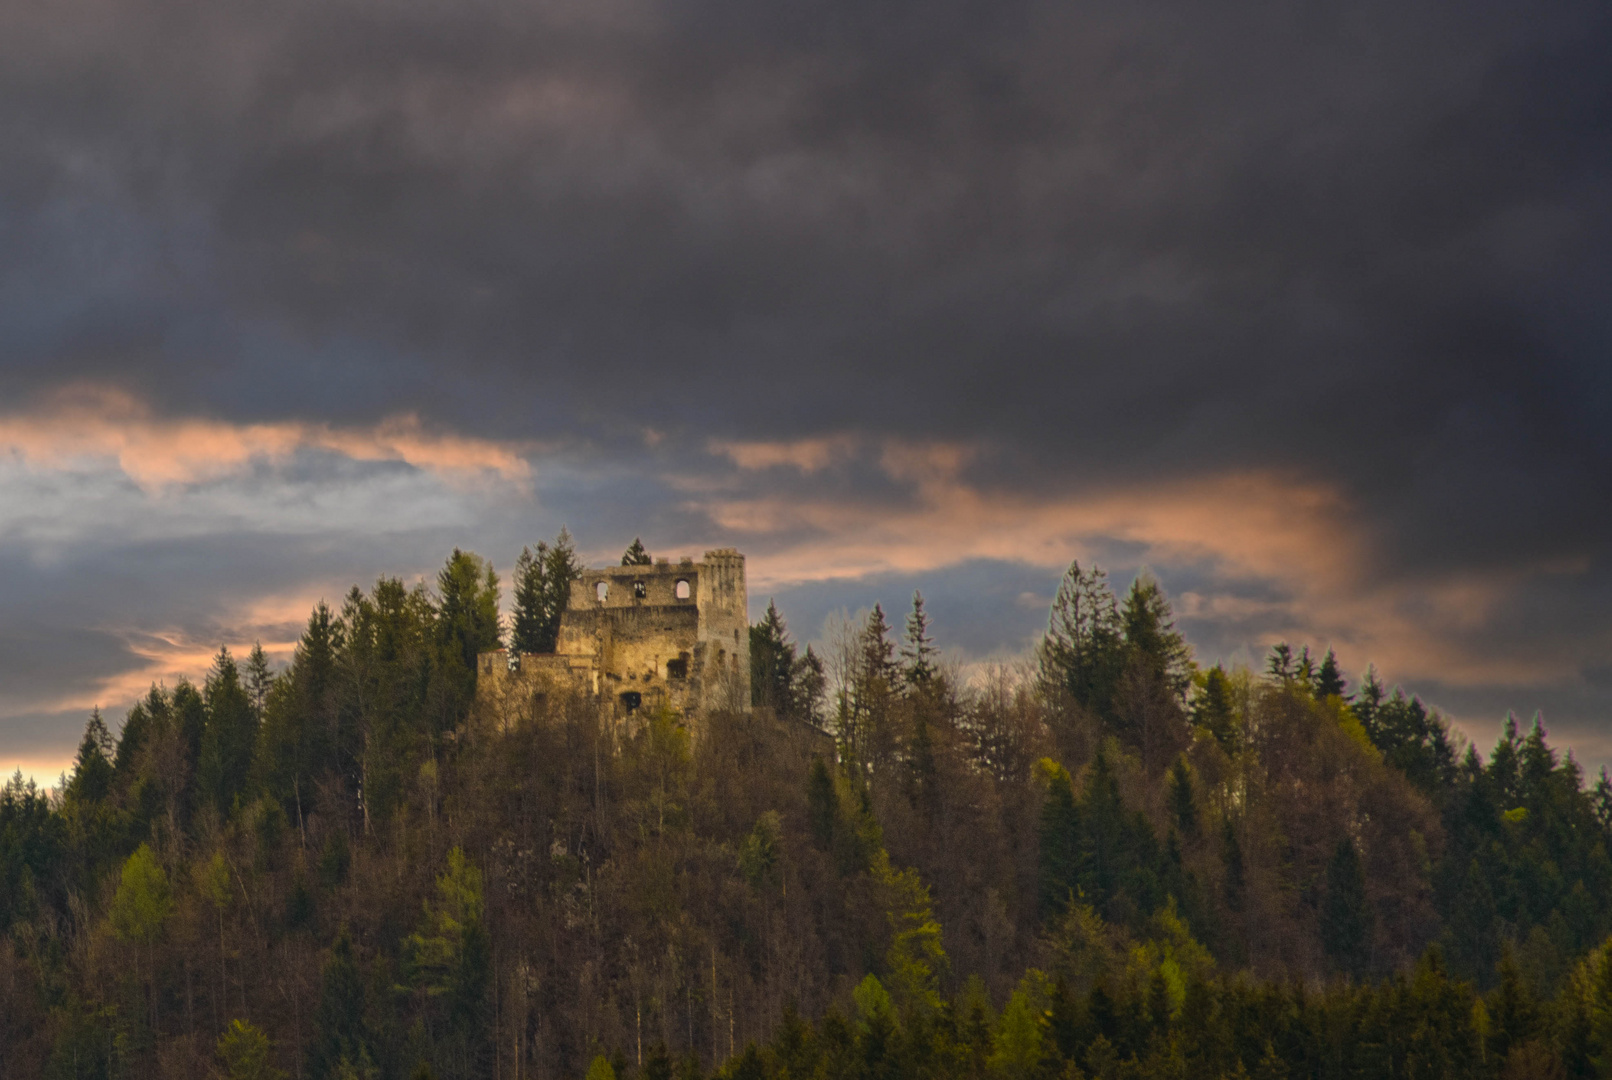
639, 638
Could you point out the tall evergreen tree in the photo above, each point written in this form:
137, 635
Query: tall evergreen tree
772, 663
467, 620
1152, 642
259, 678
1212, 708
341, 1041
1281, 665
1328, 679
919, 657
636, 555
91, 781
1058, 836
1346, 915
1083, 651
231, 734
543, 578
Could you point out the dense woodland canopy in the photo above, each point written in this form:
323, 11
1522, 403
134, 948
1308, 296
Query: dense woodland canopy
1109, 863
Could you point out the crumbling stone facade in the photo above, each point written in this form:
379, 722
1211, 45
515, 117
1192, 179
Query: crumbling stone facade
640, 638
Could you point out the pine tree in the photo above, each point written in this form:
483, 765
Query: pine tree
1212, 708
1083, 651
918, 653
636, 555
1368, 703
1183, 799
1151, 640
1280, 665
528, 623
1346, 915
560, 568
231, 734
259, 679
340, 1036
1329, 680
467, 621
772, 663
91, 781
1058, 837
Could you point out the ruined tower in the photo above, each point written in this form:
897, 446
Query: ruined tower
642, 637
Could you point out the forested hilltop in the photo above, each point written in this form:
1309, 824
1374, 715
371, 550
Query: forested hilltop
1111, 863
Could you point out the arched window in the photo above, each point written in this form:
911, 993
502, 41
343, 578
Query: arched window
640, 590
601, 590
682, 589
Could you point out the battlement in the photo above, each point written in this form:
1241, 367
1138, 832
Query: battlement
643, 637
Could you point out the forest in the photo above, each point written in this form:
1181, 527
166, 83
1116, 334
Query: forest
1107, 862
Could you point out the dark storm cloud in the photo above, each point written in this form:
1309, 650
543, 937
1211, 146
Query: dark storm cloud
1108, 246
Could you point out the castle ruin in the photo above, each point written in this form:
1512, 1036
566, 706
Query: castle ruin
672, 635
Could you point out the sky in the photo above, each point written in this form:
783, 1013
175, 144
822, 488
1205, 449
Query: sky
1304, 308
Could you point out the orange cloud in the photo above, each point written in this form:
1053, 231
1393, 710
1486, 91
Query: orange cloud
1251, 526
90, 423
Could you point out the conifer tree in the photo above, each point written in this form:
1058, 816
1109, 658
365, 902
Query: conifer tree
543, 578
341, 1036
919, 665
1281, 665
259, 678
1346, 915
772, 663
1152, 642
467, 619
1328, 679
1183, 799
231, 734
1083, 651
91, 781
1212, 708
636, 555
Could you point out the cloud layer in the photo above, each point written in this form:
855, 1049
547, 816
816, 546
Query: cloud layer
1305, 309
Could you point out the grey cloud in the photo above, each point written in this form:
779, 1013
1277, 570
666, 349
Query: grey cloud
1109, 243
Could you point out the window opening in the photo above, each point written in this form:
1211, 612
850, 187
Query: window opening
601, 590
677, 669
632, 699
681, 588
639, 590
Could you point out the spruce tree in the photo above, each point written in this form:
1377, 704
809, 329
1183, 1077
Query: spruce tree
919, 665
340, 1035
1151, 640
467, 608
527, 624
231, 734
1212, 708
91, 781
1058, 836
1346, 915
1280, 664
772, 663
560, 568
1329, 680
636, 555
1183, 799
259, 679
1082, 654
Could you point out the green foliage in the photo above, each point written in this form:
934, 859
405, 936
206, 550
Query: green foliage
1205, 903
636, 554
244, 1052
340, 1045
920, 664
1346, 915
542, 589
143, 901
